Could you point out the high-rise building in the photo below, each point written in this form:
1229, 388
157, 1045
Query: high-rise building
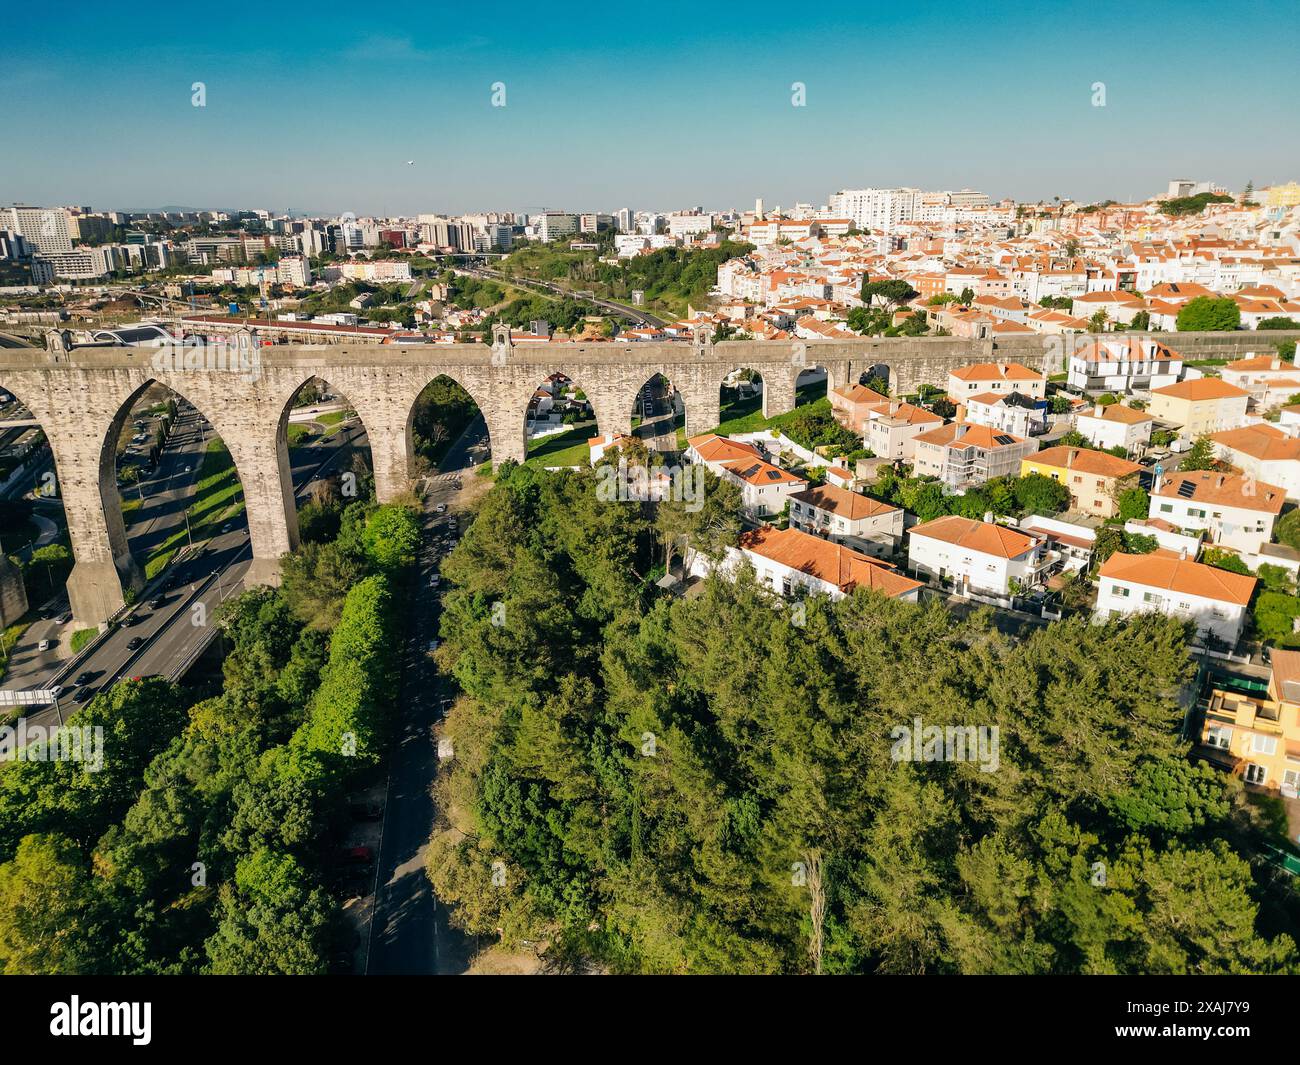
552, 225
47, 229
875, 208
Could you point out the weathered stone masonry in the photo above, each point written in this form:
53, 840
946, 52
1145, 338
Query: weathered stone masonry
82, 396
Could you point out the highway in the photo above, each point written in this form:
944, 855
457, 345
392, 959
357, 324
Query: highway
169, 639
655, 408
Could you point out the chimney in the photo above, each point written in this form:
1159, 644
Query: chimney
988, 517
1098, 411
1222, 478
1276, 364
1182, 554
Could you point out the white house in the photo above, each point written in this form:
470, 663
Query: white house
1264, 452
1000, 377
1014, 413
1236, 512
1215, 599
1123, 364
849, 518
1267, 378
977, 556
1115, 426
891, 427
789, 561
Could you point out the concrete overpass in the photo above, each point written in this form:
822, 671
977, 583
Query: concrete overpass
82, 397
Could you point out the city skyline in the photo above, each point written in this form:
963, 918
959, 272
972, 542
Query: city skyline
698, 111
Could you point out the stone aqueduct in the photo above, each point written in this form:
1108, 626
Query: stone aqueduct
82, 397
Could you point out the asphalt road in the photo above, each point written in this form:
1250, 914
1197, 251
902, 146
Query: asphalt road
658, 427
409, 931
170, 638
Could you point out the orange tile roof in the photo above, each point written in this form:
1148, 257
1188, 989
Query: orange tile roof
1200, 389
1180, 575
1260, 442
1228, 490
713, 448
756, 471
833, 563
1085, 461
840, 501
1119, 413
983, 536
859, 394
995, 371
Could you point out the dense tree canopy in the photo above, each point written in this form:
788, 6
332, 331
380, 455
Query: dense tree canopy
713, 784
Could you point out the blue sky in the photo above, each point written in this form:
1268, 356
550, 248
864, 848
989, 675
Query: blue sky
664, 105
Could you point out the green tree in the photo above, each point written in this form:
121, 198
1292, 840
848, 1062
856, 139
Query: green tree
1205, 314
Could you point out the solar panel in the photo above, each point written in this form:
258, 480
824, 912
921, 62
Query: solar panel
1004, 440
1187, 489
773, 475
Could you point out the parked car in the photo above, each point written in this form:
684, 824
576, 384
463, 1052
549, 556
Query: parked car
441, 508
434, 580
44, 645
365, 811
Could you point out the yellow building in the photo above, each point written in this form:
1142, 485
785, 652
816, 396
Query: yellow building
1200, 406
1287, 195
1093, 477
1256, 734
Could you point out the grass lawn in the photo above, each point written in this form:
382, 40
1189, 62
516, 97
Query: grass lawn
130, 509
82, 637
8, 638
333, 417
217, 498
297, 432
746, 415
562, 449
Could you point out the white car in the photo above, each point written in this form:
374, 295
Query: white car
434, 581
44, 645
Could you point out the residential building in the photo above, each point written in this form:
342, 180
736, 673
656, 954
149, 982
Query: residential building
1094, 478
1002, 378
1268, 379
848, 518
1257, 736
764, 488
965, 455
851, 404
892, 428
1115, 425
1123, 365
1200, 405
1012, 412
1214, 599
790, 561
46, 229
979, 557
1236, 512
1264, 452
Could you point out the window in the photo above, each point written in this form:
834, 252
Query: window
1263, 744
1166, 508
1220, 737
1122, 593
1150, 597
1255, 774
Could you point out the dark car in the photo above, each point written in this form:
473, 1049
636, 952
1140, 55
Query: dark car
134, 642
157, 601
131, 619
365, 811
84, 678
83, 695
